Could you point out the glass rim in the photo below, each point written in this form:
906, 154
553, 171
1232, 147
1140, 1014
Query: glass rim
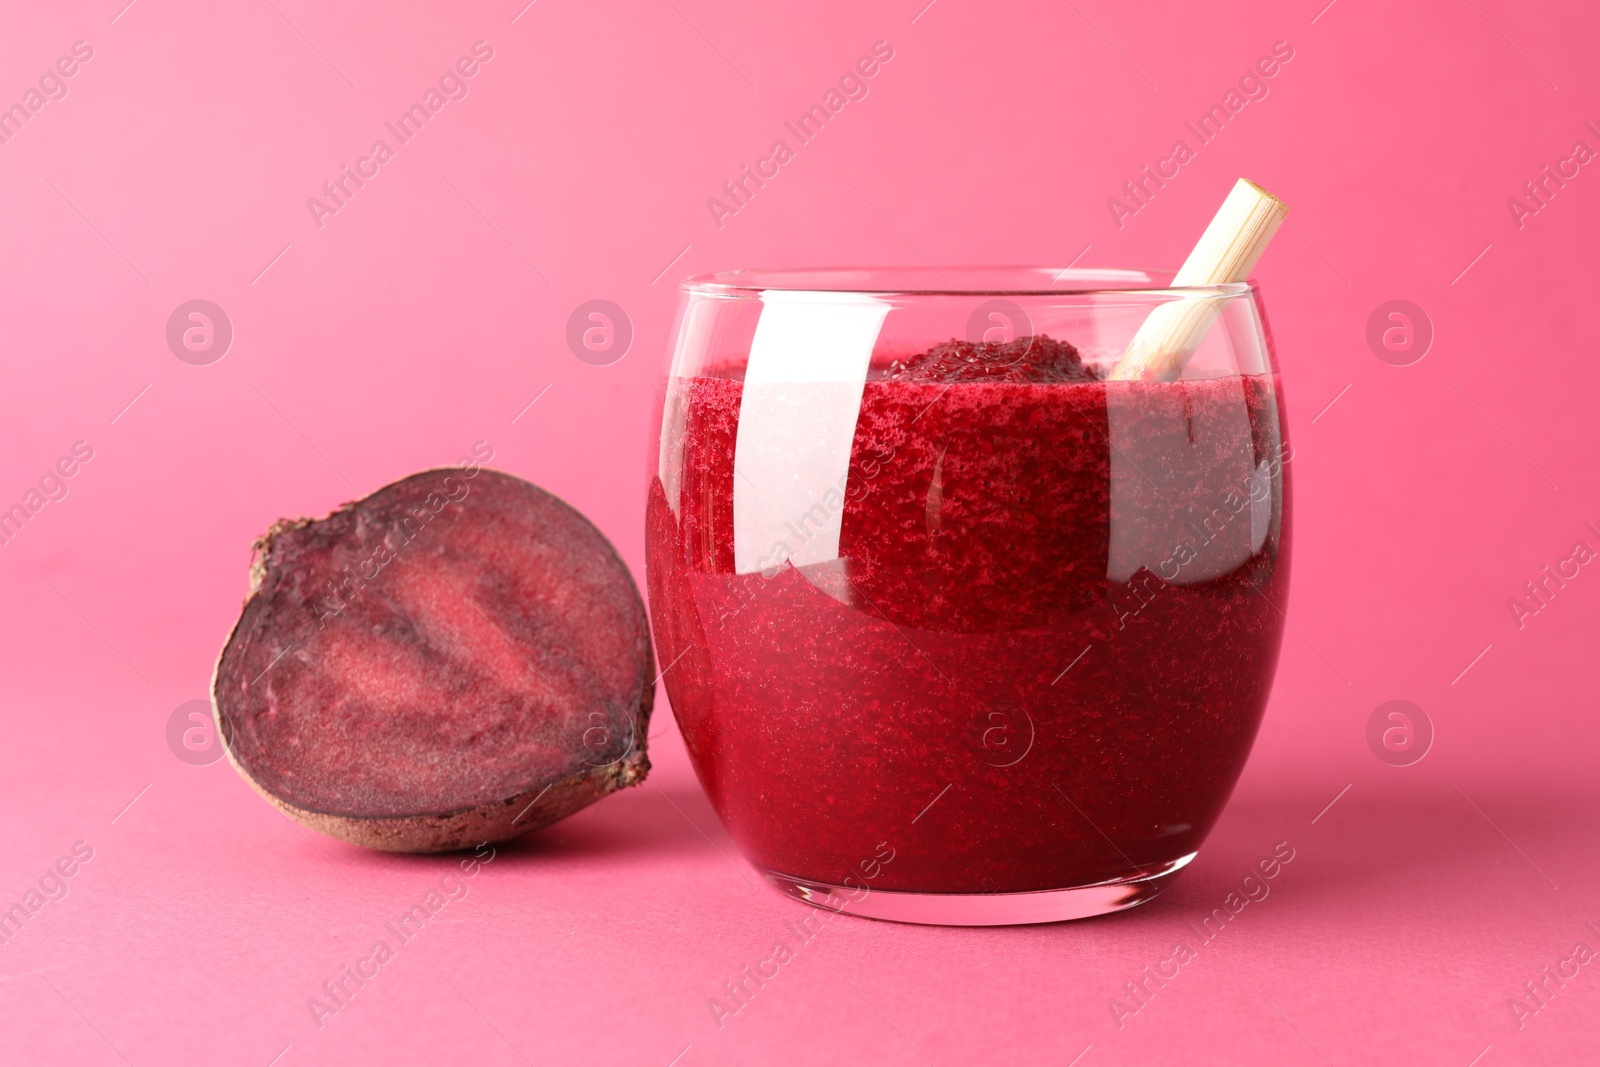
936, 282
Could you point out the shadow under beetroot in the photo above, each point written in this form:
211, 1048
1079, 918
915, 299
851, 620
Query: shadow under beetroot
643, 822
646, 821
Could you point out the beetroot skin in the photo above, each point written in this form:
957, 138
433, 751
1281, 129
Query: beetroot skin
458, 658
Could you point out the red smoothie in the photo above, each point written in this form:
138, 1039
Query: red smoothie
1043, 652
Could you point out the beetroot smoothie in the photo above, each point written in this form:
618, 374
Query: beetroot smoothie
1041, 655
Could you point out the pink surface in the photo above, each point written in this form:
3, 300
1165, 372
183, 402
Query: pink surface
428, 312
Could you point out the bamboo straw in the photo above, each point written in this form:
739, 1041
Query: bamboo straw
1227, 252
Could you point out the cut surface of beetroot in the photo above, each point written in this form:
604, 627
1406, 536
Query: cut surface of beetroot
459, 657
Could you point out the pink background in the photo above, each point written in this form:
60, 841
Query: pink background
416, 321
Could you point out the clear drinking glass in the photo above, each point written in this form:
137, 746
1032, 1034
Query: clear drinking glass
957, 631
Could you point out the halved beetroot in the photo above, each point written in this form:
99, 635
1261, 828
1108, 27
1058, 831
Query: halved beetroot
459, 657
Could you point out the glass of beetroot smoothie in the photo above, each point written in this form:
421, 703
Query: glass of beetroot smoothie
956, 629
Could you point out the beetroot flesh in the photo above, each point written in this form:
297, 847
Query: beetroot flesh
459, 657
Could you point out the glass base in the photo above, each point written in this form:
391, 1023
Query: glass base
985, 909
